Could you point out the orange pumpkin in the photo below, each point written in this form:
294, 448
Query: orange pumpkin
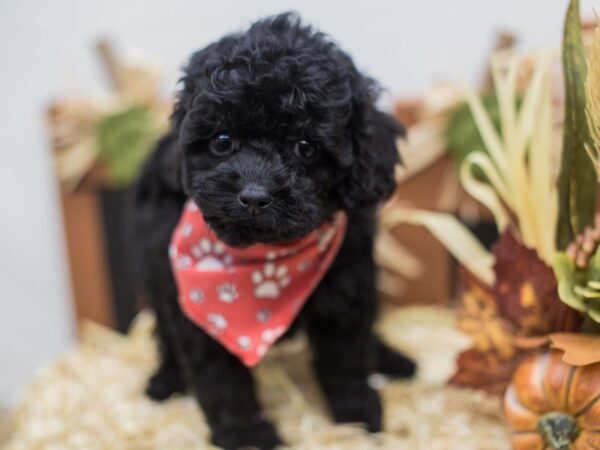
551, 405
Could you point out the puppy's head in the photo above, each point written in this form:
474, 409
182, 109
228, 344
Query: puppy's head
277, 130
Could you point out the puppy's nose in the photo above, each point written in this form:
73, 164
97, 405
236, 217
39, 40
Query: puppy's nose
255, 198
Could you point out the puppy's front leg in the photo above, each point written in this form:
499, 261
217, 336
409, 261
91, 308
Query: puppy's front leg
344, 354
224, 388
343, 359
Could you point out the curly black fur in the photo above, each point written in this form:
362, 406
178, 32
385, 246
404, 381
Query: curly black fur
277, 84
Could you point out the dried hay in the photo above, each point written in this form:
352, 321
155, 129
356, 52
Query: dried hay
92, 397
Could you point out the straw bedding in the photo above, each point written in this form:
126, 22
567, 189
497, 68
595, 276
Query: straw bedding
92, 397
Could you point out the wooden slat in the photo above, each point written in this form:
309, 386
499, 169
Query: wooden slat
87, 259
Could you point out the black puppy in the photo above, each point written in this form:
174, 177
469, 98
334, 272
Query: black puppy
282, 108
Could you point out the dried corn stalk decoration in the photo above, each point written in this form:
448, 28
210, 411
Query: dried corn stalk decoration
451, 233
518, 166
517, 162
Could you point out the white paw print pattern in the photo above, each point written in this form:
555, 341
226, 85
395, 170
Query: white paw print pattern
244, 342
263, 315
270, 335
269, 282
186, 230
196, 296
218, 321
211, 255
227, 292
303, 266
183, 262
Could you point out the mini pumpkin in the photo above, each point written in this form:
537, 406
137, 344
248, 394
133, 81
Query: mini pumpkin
551, 405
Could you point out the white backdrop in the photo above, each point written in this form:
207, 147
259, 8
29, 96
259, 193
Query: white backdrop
46, 44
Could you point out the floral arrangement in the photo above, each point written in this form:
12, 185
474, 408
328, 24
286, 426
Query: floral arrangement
539, 287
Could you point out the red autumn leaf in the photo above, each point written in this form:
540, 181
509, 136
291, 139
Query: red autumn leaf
527, 292
509, 320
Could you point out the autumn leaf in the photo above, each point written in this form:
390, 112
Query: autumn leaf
509, 320
579, 349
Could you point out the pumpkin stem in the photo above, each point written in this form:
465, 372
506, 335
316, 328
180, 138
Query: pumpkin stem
558, 430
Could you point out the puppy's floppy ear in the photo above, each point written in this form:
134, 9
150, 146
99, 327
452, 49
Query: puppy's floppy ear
194, 73
373, 136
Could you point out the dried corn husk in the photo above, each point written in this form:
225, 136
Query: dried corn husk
520, 188
451, 233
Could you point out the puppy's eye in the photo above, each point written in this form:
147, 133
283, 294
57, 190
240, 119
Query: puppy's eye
306, 151
221, 144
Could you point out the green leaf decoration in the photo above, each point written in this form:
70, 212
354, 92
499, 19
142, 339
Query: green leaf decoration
577, 180
124, 141
564, 270
593, 269
578, 288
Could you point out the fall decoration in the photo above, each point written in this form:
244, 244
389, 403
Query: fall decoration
578, 268
107, 137
461, 132
450, 231
579, 349
514, 175
585, 245
553, 405
439, 124
509, 302
592, 85
517, 164
578, 273
577, 183
489, 363
509, 319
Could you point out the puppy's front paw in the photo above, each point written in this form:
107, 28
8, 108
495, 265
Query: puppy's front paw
357, 406
261, 435
164, 383
393, 363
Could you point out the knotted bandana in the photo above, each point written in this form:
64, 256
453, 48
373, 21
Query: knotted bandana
246, 298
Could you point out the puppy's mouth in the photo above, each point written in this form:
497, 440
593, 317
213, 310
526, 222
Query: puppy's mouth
249, 232
277, 224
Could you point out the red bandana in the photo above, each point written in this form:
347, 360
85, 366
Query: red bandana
247, 298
